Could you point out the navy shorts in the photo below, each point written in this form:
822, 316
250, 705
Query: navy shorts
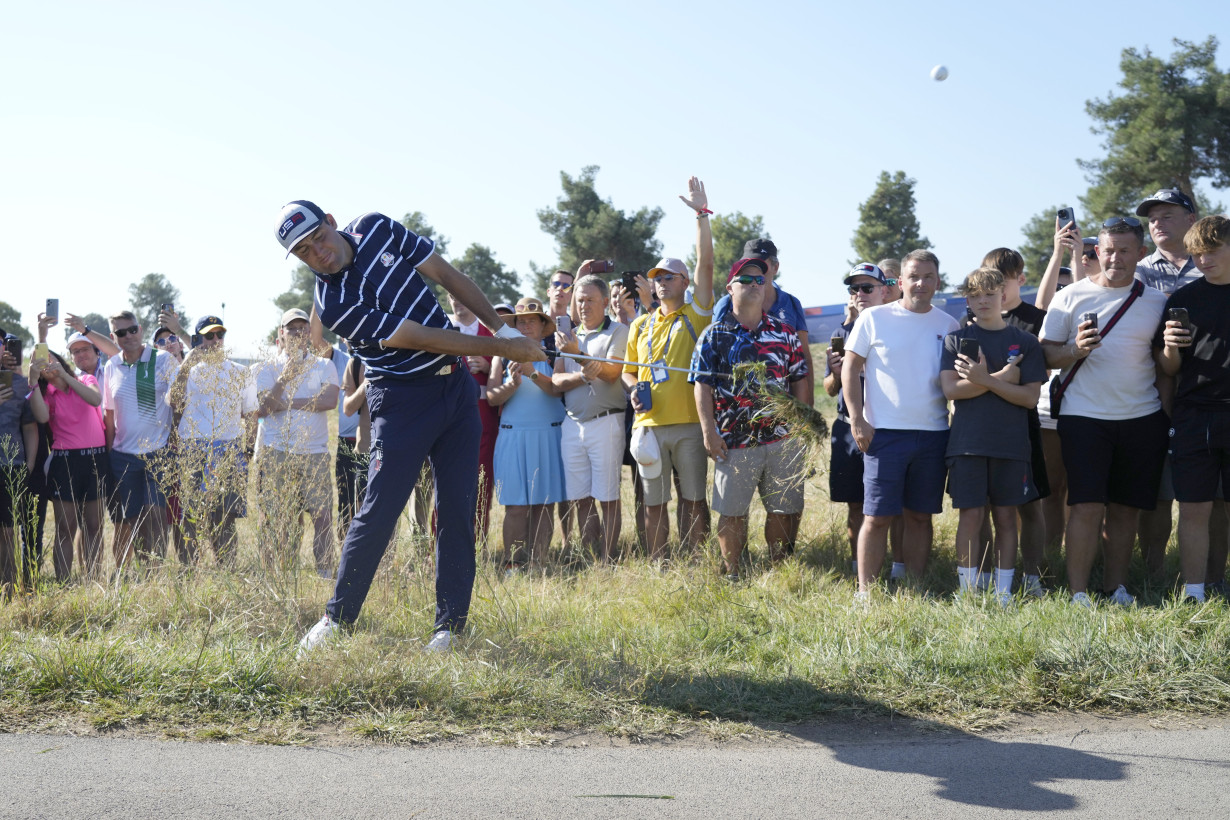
845, 466
1199, 453
904, 469
1114, 461
973, 481
79, 475
136, 482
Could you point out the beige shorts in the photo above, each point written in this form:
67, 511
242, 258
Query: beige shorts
293, 482
776, 470
683, 450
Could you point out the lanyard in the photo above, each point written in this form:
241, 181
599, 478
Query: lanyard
670, 332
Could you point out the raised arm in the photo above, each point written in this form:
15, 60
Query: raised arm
698, 201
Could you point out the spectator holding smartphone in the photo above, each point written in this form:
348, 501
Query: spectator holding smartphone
77, 476
1099, 332
992, 372
18, 445
1192, 344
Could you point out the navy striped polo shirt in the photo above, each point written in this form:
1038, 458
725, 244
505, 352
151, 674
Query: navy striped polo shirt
369, 300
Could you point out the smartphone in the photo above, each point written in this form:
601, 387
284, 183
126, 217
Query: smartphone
563, 324
644, 396
41, 353
197, 340
628, 280
168, 307
6, 379
969, 349
1180, 315
601, 266
1090, 317
14, 345
53, 309
1066, 215
838, 343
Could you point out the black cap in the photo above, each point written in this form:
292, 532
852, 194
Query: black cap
1167, 196
759, 249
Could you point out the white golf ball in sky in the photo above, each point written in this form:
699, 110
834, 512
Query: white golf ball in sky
939, 73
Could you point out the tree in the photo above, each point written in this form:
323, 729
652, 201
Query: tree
149, 295
887, 225
730, 232
1039, 243
302, 286
499, 284
585, 226
1169, 128
10, 321
416, 223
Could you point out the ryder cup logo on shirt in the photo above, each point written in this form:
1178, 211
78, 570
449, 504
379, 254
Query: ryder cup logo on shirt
386, 259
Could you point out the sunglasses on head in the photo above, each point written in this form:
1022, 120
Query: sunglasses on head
750, 279
213, 334
531, 307
1130, 221
558, 285
121, 332
863, 288
166, 340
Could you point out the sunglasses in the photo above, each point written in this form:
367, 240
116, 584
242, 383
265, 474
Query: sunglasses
1060, 286
213, 334
121, 332
558, 285
1130, 221
166, 340
890, 282
864, 288
665, 277
749, 279
1090, 254
530, 307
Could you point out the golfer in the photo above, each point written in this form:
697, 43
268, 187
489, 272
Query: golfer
371, 289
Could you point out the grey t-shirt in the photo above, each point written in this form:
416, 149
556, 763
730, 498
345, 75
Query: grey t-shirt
14, 414
987, 425
607, 342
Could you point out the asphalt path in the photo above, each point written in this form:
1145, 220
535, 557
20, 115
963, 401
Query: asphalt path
1115, 768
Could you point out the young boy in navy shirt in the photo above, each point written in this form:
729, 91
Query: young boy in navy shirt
993, 373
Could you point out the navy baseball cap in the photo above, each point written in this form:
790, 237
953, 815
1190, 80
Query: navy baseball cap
1166, 196
207, 324
759, 249
297, 220
866, 269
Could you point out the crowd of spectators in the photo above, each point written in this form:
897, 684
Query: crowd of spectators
644, 370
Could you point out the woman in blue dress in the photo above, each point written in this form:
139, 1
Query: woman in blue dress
529, 470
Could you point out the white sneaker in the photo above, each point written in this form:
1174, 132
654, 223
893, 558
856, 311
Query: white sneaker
1082, 599
326, 629
442, 641
1122, 597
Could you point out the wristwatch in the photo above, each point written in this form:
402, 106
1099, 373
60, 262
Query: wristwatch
533, 375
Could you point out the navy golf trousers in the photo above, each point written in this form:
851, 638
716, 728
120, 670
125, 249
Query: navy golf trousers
433, 418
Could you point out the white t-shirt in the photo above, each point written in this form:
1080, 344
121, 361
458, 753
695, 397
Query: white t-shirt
902, 389
1117, 379
142, 423
215, 399
296, 431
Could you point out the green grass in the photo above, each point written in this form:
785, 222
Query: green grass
635, 651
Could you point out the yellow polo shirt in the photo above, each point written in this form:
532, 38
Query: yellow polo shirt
671, 338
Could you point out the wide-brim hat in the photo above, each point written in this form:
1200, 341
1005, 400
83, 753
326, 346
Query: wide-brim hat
529, 306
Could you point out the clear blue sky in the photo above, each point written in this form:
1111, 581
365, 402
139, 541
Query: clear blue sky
156, 137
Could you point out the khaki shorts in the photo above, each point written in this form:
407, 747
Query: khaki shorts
289, 483
683, 450
776, 470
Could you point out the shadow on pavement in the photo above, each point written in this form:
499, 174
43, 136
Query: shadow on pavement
968, 769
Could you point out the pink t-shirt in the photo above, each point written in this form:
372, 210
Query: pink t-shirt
75, 424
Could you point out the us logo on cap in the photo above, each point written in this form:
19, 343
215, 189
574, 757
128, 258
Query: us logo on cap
287, 226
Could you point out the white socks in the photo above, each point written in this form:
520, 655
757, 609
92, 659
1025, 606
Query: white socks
966, 578
1194, 591
898, 571
1003, 584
